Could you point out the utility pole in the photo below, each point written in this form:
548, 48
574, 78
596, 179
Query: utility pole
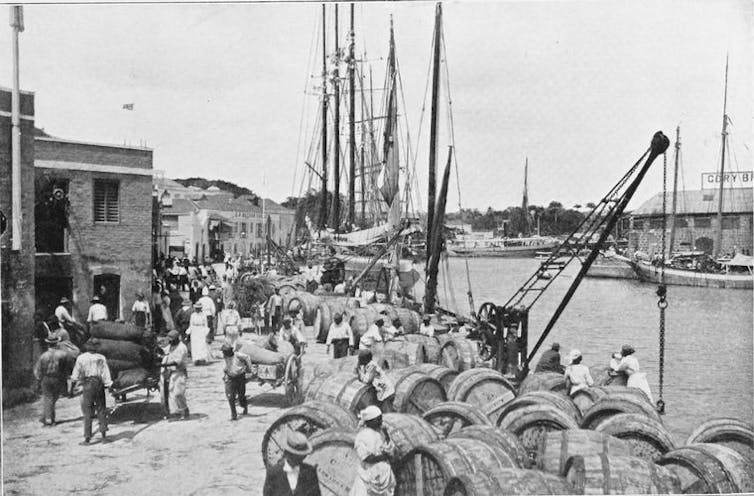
17, 25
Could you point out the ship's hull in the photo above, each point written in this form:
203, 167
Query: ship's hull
461, 250
677, 277
615, 267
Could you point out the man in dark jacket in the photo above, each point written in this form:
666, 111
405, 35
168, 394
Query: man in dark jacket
291, 476
550, 361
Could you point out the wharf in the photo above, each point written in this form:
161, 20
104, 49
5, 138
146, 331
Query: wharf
206, 454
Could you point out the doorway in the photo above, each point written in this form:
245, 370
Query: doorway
107, 287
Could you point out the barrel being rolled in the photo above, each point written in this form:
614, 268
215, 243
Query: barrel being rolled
452, 416
500, 438
360, 319
442, 374
307, 418
408, 431
343, 389
730, 432
710, 468
531, 423
647, 437
558, 446
599, 474
459, 354
416, 352
543, 381
303, 302
427, 469
507, 481
415, 392
410, 320
482, 388
117, 331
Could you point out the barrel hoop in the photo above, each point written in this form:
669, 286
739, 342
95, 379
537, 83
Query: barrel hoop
703, 465
577, 464
605, 462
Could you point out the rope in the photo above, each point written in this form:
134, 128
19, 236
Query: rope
662, 290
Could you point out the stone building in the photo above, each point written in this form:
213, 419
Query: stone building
17, 271
93, 224
696, 222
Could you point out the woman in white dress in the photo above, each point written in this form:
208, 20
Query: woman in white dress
198, 331
374, 476
629, 365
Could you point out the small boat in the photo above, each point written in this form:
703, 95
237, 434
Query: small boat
699, 269
611, 265
501, 247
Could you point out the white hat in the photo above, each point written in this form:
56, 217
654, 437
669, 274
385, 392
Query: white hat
370, 413
205, 291
573, 355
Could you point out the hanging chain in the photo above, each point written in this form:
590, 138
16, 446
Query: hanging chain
662, 290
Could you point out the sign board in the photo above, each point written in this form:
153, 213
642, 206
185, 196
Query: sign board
711, 180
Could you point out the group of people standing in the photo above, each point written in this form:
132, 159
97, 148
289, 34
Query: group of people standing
578, 375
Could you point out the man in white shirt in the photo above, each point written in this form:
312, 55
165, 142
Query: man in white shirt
373, 335
426, 329
92, 372
97, 311
62, 311
340, 336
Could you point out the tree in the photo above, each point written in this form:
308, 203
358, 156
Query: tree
590, 205
577, 206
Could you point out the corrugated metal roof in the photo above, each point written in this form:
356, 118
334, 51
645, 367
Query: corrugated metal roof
739, 200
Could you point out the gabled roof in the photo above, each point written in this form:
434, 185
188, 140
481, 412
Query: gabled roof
738, 200
226, 204
179, 206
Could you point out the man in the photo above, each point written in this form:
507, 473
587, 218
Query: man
62, 312
427, 329
173, 384
550, 361
340, 336
577, 375
275, 309
140, 313
92, 372
288, 333
291, 476
375, 450
209, 309
375, 334
183, 317
50, 372
97, 311
237, 365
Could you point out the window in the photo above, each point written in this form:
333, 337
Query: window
655, 223
702, 222
259, 230
730, 222
51, 214
681, 222
106, 201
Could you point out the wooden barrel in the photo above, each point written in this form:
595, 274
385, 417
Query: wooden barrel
408, 431
415, 392
648, 438
332, 452
389, 359
585, 398
618, 402
482, 387
556, 447
416, 352
332, 366
328, 307
507, 481
542, 381
531, 423
452, 416
428, 468
307, 418
459, 354
341, 388
498, 437
431, 346
599, 474
410, 320
304, 302
710, 468
442, 374
560, 401
322, 322
360, 319
733, 433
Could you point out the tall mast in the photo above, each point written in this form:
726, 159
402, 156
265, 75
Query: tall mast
525, 201
719, 240
675, 189
323, 206
433, 130
336, 137
352, 125
433, 258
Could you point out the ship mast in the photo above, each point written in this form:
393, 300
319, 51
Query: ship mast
336, 132
719, 232
323, 206
433, 129
352, 125
525, 201
675, 190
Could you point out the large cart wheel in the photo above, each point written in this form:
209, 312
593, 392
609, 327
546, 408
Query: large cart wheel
293, 380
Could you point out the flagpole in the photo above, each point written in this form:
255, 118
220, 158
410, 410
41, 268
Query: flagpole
17, 23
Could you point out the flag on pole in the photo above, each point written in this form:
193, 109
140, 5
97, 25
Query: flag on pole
128, 106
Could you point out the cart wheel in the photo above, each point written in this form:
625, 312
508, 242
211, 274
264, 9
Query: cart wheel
293, 379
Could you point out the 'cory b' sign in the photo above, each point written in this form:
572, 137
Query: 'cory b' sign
711, 180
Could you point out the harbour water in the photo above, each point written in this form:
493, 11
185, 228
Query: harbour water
708, 339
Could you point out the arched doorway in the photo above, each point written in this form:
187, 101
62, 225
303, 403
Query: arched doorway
704, 244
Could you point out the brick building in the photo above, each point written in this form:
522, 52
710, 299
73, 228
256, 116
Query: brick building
93, 224
17, 271
696, 222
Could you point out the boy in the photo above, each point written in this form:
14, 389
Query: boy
237, 365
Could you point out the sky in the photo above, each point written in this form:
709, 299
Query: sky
224, 91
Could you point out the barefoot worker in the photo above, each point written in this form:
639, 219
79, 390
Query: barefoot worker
92, 372
373, 446
173, 383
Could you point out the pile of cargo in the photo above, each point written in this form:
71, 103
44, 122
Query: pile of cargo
130, 351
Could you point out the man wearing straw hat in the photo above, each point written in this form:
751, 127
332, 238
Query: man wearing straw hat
291, 476
50, 371
373, 446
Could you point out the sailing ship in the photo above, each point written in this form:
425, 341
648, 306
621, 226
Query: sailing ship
490, 245
697, 267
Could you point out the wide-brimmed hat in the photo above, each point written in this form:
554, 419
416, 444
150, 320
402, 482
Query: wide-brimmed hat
370, 413
626, 349
197, 305
95, 299
64, 300
297, 444
211, 287
574, 355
